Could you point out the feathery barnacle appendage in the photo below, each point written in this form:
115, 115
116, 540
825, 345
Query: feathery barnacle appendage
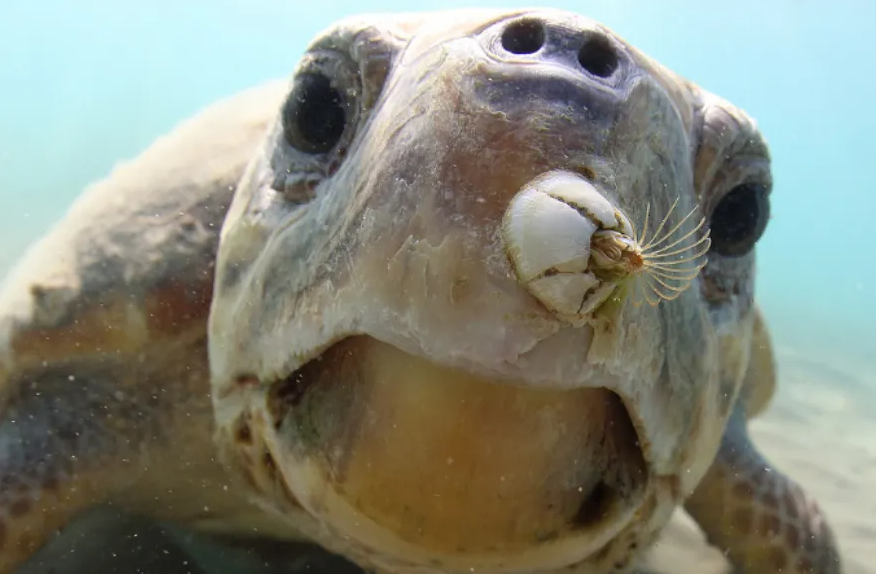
660, 267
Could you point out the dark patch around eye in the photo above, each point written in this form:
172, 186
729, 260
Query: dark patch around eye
315, 115
739, 220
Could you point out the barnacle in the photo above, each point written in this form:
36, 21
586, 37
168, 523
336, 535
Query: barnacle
660, 267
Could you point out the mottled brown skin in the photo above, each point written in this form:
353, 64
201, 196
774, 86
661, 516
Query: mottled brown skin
748, 507
105, 395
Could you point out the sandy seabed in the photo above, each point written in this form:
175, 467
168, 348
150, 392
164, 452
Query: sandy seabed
820, 429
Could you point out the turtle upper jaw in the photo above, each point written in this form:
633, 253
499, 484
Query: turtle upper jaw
416, 464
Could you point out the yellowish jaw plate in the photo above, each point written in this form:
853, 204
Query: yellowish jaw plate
422, 461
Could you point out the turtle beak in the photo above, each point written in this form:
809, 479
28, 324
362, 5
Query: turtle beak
419, 459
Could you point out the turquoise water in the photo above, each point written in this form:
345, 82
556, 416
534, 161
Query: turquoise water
85, 84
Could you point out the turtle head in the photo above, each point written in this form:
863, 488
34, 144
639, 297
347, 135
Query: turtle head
484, 295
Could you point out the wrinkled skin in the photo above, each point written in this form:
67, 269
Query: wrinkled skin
375, 375
373, 352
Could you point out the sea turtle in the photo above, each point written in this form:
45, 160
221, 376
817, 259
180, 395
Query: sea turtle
483, 301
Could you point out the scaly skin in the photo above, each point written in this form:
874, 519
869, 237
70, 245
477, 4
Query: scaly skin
759, 517
114, 390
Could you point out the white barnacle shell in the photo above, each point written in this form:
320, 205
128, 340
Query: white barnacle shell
544, 235
547, 230
583, 196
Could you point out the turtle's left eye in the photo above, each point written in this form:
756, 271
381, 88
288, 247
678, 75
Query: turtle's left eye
739, 220
315, 114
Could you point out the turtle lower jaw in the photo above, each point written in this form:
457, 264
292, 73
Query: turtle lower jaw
415, 464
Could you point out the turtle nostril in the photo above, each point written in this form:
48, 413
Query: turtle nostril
523, 37
597, 57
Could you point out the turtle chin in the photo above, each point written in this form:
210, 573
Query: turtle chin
414, 464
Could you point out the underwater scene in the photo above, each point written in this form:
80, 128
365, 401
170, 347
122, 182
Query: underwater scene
437, 287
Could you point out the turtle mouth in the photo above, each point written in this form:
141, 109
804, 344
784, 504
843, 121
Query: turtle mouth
419, 464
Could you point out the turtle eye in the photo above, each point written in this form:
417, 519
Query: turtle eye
739, 220
315, 114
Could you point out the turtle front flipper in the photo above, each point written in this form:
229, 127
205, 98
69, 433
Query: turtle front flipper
760, 518
61, 436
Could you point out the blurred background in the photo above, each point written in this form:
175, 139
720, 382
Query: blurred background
86, 84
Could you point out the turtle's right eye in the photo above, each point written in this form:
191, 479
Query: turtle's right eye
315, 114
